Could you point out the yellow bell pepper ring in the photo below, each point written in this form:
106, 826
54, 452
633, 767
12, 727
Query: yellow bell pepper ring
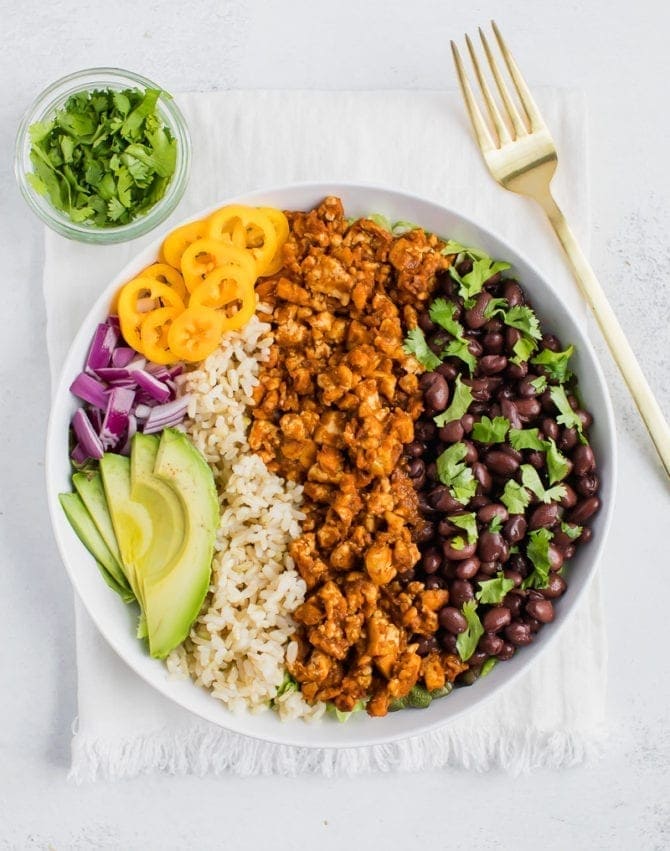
154, 334
136, 299
261, 235
195, 333
227, 230
166, 274
229, 291
178, 240
204, 255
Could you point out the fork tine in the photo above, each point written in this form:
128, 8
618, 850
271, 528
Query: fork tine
519, 127
529, 105
482, 132
496, 118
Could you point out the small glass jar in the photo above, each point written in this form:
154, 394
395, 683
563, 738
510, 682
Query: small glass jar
54, 98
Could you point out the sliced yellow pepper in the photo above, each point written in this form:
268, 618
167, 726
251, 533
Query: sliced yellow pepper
166, 274
281, 226
204, 255
154, 334
230, 290
178, 240
137, 299
195, 333
261, 236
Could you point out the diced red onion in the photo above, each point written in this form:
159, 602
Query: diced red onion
88, 439
115, 423
122, 356
102, 345
114, 321
142, 411
159, 391
90, 390
138, 362
113, 373
95, 416
165, 416
158, 370
176, 370
132, 429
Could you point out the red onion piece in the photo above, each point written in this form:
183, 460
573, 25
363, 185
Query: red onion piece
90, 390
89, 441
122, 356
159, 391
114, 425
165, 416
102, 345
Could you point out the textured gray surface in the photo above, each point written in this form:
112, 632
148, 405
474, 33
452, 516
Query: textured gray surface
618, 54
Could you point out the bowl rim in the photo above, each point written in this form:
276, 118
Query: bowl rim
47, 101
607, 422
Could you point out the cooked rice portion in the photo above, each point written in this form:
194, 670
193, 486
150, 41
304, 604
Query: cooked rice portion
237, 646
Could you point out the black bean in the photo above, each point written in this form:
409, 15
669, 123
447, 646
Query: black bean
570, 497
448, 642
533, 624
482, 475
512, 337
453, 620
537, 459
434, 582
515, 529
460, 592
507, 652
493, 326
471, 454
567, 440
556, 557
415, 449
541, 610
526, 388
426, 645
513, 293
475, 348
547, 402
425, 532
496, 619
479, 500
569, 552
555, 587
583, 460
425, 430
446, 529
517, 371
519, 563
440, 499
493, 342
490, 644
431, 561
416, 468
518, 634
492, 547
501, 463
492, 364
474, 317
585, 417
467, 421
494, 509
435, 391
513, 602
587, 534
468, 568
489, 568
584, 509
509, 410
448, 370
528, 409
451, 432
514, 575
455, 554
425, 322
587, 485
551, 342
550, 428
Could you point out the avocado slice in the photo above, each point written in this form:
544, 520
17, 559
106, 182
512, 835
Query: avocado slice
131, 520
89, 487
173, 602
88, 533
162, 503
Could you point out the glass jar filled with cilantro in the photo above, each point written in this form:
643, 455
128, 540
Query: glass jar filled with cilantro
103, 155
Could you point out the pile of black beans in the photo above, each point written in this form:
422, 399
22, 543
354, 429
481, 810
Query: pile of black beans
500, 388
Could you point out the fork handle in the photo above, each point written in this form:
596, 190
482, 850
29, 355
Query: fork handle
619, 346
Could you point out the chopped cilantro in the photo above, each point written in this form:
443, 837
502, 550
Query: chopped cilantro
453, 247
105, 157
415, 344
460, 402
467, 522
488, 666
467, 641
558, 465
524, 319
492, 591
526, 438
555, 363
539, 383
453, 472
515, 497
572, 530
483, 268
496, 524
442, 313
537, 551
567, 417
490, 430
523, 349
461, 349
531, 480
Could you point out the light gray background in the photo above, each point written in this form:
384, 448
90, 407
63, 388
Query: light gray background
617, 51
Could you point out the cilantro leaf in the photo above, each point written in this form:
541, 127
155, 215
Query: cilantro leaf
442, 313
515, 497
467, 641
526, 438
537, 551
531, 480
492, 591
567, 416
496, 524
460, 402
483, 268
523, 349
524, 319
453, 247
555, 363
571, 530
467, 522
415, 344
539, 383
488, 666
558, 465
490, 431
461, 349
453, 472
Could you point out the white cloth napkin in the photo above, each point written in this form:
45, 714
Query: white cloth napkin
418, 141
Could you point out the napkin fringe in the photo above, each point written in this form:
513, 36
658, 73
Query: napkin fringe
201, 750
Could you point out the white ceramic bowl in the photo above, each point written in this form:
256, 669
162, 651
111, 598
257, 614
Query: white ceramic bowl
116, 621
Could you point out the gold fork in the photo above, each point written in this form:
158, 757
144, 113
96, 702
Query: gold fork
521, 156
